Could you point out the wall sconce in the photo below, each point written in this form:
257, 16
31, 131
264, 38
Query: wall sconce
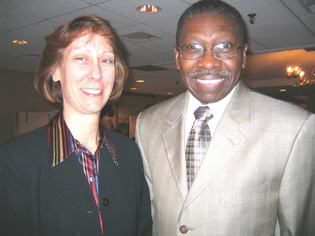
297, 77
252, 18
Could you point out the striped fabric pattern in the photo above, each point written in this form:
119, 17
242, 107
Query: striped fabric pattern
197, 143
62, 144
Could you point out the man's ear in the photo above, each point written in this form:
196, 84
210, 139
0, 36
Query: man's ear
176, 51
56, 75
244, 55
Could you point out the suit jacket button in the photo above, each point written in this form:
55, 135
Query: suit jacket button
105, 202
183, 229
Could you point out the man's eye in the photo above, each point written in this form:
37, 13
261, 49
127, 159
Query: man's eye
224, 46
192, 47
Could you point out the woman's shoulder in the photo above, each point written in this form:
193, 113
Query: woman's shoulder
29, 137
28, 144
120, 139
127, 149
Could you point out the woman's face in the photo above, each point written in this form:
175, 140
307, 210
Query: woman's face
86, 74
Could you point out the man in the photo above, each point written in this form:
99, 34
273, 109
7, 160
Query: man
257, 176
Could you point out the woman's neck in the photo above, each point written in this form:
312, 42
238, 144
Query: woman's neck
84, 128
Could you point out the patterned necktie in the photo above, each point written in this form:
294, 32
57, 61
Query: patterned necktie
197, 143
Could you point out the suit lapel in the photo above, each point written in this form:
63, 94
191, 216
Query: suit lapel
224, 144
174, 143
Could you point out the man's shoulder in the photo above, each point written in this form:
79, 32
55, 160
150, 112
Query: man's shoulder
276, 106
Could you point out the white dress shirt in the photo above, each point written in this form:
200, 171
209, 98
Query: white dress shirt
217, 110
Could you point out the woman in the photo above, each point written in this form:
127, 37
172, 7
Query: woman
74, 177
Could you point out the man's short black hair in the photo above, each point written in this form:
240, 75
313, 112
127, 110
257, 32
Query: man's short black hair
213, 7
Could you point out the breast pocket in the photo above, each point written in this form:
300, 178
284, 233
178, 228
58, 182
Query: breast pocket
244, 201
244, 193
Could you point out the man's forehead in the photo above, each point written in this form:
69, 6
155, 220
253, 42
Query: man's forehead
202, 22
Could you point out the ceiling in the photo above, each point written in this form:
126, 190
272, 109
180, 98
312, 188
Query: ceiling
280, 35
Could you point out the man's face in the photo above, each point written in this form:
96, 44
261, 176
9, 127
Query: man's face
210, 79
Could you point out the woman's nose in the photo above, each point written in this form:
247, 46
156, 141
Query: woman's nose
95, 72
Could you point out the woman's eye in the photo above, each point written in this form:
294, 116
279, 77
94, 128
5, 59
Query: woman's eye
107, 58
80, 58
108, 61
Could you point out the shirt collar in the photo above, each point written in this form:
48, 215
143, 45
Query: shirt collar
61, 142
217, 109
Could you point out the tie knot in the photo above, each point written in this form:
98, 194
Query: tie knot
203, 113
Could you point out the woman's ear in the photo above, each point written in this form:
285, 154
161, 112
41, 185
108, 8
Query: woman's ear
56, 75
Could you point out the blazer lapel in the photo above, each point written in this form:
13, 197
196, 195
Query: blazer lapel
224, 144
174, 143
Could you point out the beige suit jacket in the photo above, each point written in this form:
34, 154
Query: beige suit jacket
257, 176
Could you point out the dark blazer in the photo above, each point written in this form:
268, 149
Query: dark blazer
37, 199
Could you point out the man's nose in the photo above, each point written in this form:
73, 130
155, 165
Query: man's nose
208, 60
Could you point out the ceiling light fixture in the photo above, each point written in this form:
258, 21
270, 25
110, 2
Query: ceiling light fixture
20, 42
148, 8
140, 81
297, 77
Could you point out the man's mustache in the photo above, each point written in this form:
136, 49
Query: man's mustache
224, 73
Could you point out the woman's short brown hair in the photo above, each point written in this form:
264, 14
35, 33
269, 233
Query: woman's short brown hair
57, 42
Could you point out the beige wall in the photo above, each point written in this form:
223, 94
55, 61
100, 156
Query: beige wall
18, 94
